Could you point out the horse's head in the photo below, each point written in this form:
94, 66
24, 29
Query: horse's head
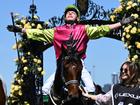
71, 69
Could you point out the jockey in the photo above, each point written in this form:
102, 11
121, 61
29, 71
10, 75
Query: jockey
127, 92
82, 33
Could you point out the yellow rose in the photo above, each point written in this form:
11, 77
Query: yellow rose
29, 53
129, 3
127, 36
27, 26
134, 4
16, 87
39, 26
122, 39
112, 17
25, 68
43, 72
133, 30
20, 93
138, 45
36, 17
23, 21
35, 60
33, 24
39, 61
135, 15
133, 59
129, 47
39, 68
135, 56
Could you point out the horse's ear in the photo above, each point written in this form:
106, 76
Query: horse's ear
63, 50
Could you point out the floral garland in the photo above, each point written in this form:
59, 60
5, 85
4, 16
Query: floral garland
131, 32
27, 64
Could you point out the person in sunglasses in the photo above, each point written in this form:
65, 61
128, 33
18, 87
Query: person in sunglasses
127, 92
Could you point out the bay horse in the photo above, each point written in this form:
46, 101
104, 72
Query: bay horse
65, 89
2, 93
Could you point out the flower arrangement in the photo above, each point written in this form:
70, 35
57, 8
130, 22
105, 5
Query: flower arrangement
130, 32
28, 65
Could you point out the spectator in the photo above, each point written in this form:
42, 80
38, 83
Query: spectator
127, 92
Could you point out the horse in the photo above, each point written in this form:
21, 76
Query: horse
65, 89
2, 93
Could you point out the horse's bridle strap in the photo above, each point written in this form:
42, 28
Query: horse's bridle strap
72, 82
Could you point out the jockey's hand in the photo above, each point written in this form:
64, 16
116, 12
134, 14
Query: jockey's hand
127, 20
12, 28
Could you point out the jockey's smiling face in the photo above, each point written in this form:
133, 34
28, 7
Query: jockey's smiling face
71, 16
126, 73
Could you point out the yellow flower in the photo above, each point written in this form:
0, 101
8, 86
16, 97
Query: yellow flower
39, 26
27, 26
135, 22
134, 4
135, 56
129, 47
129, 3
29, 53
129, 26
118, 10
24, 61
133, 59
127, 30
23, 21
39, 61
138, 45
39, 68
129, 7
138, 29
123, 33
26, 103
33, 24
16, 87
122, 39
36, 17
112, 17
135, 15
25, 68
13, 101
35, 60
20, 93
127, 36
43, 72
22, 58
133, 30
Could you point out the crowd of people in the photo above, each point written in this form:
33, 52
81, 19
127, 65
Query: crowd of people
127, 92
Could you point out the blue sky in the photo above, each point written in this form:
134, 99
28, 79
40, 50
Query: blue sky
104, 56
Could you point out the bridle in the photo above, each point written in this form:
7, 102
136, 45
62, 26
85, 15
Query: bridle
69, 55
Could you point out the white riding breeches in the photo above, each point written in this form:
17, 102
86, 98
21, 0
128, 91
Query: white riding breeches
86, 78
